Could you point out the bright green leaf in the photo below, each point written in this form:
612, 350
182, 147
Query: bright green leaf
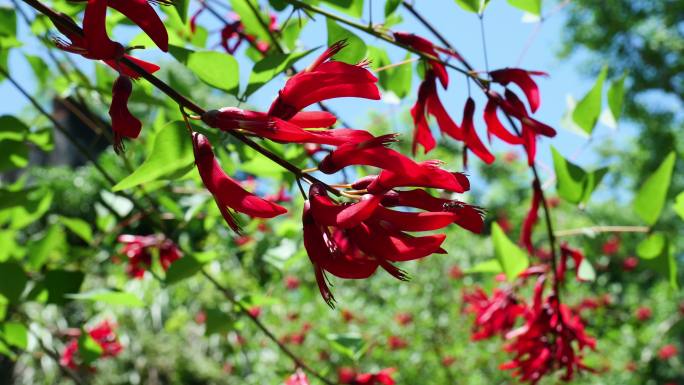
218, 321
13, 129
88, 349
250, 20
182, 268
180, 53
181, 7
350, 344
15, 334
356, 49
51, 244
13, 155
270, 67
491, 266
658, 255
391, 6
529, 6
652, 246
650, 199
12, 281
513, 260
217, 69
616, 94
171, 157
679, 204
8, 21
469, 5
109, 297
573, 183
351, 7
79, 227
588, 110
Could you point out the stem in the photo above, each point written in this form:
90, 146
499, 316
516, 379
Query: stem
602, 229
230, 296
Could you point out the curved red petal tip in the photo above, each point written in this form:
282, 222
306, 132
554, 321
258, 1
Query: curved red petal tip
141, 13
124, 124
471, 139
522, 79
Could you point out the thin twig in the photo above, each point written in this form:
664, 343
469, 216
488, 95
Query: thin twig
591, 230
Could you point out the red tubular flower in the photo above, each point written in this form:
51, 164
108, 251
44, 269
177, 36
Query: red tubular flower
428, 174
472, 141
576, 255
103, 334
351, 377
495, 315
226, 191
667, 352
630, 263
396, 343
141, 13
324, 79
424, 45
137, 249
553, 338
124, 124
403, 319
531, 218
611, 245
523, 79
643, 313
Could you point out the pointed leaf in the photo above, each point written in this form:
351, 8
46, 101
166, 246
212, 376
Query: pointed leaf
513, 260
650, 199
79, 227
109, 297
88, 349
356, 49
171, 157
530, 6
588, 110
491, 266
679, 205
13, 280
616, 94
217, 69
15, 334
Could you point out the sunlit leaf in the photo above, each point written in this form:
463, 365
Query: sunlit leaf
391, 6
218, 321
513, 260
171, 157
88, 349
356, 48
530, 6
217, 69
650, 199
350, 345
616, 94
588, 110
182, 268
491, 266
679, 205
658, 255
15, 334
573, 183
79, 227
270, 67
51, 244
109, 297
12, 281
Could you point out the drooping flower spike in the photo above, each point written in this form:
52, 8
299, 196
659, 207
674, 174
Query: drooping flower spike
424, 45
523, 79
227, 192
324, 79
495, 315
531, 218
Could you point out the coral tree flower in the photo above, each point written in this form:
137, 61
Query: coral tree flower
298, 378
351, 377
495, 315
103, 334
138, 250
227, 192
531, 218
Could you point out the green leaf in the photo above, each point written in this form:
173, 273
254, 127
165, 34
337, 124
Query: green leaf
588, 110
13, 129
217, 69
356, 49
12, 281
399, 78
513, 260
180, 53
475, 6
182, 268
88, 349
529, 6
679, 205
60, 283
391, 6
658, 255
650, 199
109, 297
171, 157
616, 94
351, 7
8, 21
51, 244
573, 183
218, 321
79, 227
13, 155
40, 70
182, 9
585, 271
270, 67
491, 266
15, 334
32, 210
350, 345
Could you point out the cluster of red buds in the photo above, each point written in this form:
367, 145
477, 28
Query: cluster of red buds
103, 334
428, 103
349, 376
552, 335
138, 249
233, 32
95, 44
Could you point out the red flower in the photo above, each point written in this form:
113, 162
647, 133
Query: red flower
138, 250
470, 138
531, 218
552, 339
427, 174
493, 315
523, 80
299, 378
396, 343
667, 352
226, 191
611, 245
351, 377
455, 272
425, 46
103, 334
569, 252
324, 79
124, 124
448, 360
291, 282
643, 313
254, 311
141, 13
403, 319
681, 308
630, 263
347, 315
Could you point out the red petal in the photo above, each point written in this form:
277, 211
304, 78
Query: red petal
523, 80
141, 13
313, 119
124, 124
470, 135
98, 44
494, 125
531, 219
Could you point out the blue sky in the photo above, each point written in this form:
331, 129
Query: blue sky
506, 35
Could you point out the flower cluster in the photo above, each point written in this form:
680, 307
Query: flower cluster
94, 43
495, 315
428, 103
349, 376
139, 250
103, 334
233, 32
